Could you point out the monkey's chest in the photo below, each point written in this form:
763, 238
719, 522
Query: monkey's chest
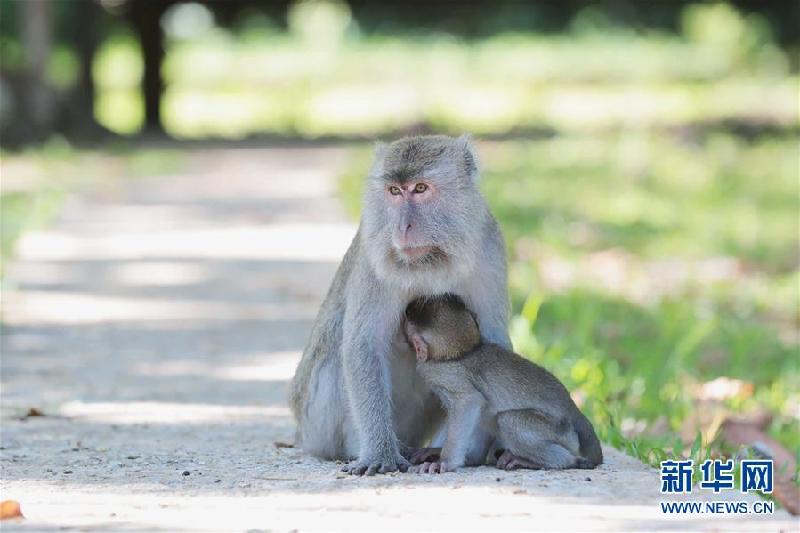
416, 411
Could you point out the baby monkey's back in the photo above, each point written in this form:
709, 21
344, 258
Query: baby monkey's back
527, 409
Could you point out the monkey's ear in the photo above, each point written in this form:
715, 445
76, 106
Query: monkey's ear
380, 149
420, 346
470, 159
380, 154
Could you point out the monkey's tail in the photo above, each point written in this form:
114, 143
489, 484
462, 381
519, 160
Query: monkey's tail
590, 449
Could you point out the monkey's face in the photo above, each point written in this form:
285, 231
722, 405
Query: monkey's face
422, 205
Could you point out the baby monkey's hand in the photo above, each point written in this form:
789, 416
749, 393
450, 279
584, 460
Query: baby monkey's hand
422, 455
432, 467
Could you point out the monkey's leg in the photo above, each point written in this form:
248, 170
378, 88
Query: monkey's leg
463, 419
509, 461
532, 438
324, 427
365, 358
317, 393
480, 443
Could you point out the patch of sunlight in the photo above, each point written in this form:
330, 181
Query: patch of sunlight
186, 21
288, 242
319, 23
168, 413
481, 109
39, 273
117, 70
233, 114
358, 109
118, 63
430, 503
44, 307
593, 107
268, 366
121, 111
160, 273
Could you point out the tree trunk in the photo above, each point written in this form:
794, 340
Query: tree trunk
146, 16
80, 116
39, 101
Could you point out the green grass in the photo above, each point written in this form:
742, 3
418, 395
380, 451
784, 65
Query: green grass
324, 78
643, 265
21, 211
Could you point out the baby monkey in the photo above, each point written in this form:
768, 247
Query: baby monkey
531, 415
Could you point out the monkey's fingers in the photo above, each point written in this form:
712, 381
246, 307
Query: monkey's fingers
504, 459
509, 461
376, 467
430, 467
424, 455
355, 468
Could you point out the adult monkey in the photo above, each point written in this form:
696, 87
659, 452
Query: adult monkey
425, 230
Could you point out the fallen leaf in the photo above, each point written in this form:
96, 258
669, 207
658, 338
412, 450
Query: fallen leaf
760, 419
32, 412
745, 434
10, 509
742, 433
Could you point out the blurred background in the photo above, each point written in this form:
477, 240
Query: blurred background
641, 157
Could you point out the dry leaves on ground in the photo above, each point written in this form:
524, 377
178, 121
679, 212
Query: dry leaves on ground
10, 509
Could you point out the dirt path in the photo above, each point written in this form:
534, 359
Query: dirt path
157, 323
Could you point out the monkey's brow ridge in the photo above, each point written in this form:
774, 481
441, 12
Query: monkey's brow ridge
401, 175
408, 171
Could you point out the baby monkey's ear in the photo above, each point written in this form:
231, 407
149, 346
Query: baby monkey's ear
419, 344
415, 339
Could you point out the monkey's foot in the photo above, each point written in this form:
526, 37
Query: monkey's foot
422, 455
370, 467
509, 461
433, 467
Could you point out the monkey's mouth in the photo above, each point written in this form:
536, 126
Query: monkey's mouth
419, 256
416, 252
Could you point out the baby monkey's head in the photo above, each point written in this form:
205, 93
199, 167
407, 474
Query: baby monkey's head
440, 327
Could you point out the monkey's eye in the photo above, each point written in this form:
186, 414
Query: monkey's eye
394, 190
420, 187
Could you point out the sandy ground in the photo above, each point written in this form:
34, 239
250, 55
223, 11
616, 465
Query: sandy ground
157, 324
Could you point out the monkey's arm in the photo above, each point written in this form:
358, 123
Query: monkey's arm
486, 292
463, 420
365, 353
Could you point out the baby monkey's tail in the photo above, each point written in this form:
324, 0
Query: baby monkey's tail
590, 449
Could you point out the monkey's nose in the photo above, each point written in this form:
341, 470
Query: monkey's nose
404, 235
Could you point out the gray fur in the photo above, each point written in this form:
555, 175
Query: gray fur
526, 408
356, 392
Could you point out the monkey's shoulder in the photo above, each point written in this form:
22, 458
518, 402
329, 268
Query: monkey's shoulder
493, 365
490, 354
451, 374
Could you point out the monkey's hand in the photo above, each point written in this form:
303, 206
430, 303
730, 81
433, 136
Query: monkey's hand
422, 455
434, 467
377, 465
